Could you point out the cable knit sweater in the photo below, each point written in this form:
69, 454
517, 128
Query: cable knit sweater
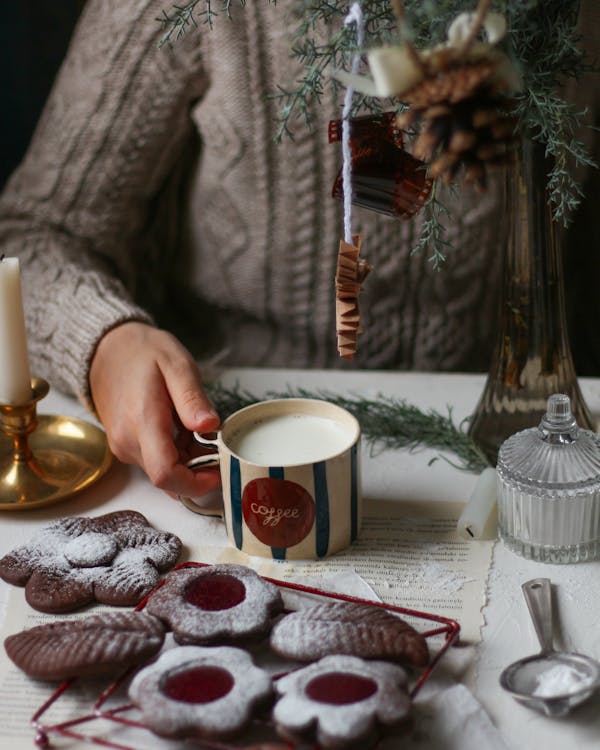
153, 190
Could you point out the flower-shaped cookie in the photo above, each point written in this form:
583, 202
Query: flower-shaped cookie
195, 691
113, 559
216, 603
340, 701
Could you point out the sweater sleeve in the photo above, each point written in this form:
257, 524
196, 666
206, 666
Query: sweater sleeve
114, 126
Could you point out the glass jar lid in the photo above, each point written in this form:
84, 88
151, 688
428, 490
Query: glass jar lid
555, 457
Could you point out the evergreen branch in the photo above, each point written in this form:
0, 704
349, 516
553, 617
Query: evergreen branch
542, 40
183, 18
433, 229
386, 423
545, 42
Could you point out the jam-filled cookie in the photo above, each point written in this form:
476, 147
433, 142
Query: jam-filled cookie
341, 701
218, 603
202, 692
348, 628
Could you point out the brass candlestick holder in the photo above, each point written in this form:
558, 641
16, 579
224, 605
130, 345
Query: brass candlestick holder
45, 459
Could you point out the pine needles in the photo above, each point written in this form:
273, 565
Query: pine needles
543, 41
183, 18
432, 231
386, 423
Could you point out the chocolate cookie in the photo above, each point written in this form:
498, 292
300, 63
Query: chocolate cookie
97, 645
113, 559
194, 691
341, 701
348, 628
218, 603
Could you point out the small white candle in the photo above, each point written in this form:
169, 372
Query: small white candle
479, 519
15, 379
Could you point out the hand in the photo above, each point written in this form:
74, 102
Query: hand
143, 381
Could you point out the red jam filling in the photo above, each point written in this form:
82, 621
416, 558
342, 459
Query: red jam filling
339, 688
198, 685
221, 591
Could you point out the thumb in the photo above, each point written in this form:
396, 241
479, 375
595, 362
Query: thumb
189, 399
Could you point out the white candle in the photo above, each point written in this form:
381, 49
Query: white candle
479, 519
15, 379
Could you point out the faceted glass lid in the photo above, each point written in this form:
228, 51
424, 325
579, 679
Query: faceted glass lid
557, 455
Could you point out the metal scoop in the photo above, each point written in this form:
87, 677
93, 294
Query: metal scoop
551, 682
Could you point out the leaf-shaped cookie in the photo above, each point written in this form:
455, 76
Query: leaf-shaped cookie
348, 628
97, 645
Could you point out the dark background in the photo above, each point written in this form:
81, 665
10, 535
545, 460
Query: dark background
34, 36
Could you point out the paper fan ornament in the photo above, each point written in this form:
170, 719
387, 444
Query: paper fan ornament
352, 270
376, 174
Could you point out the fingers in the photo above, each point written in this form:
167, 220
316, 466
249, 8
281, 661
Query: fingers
184, 384
139, 375
159, 454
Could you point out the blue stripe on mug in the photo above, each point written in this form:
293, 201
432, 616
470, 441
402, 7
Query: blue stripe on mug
321, 508
276, 472
353, 493
235, 488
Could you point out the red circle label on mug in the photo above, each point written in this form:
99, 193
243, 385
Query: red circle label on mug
279, 513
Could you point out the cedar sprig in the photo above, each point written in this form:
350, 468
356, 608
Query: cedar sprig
386, 423
543, 41
433, 230
184, 18
546, 44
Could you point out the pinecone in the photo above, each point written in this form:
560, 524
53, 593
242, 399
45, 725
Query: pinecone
462, 113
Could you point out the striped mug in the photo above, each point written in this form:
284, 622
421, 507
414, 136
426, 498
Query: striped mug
290, 471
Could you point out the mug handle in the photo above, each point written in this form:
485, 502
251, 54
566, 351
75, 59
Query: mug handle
210, 504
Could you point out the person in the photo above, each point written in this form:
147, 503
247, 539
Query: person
158, 222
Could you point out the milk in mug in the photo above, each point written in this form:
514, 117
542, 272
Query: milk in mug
287, 439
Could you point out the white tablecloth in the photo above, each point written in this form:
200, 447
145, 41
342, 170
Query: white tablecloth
507, 634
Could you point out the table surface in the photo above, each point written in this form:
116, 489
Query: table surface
397, 475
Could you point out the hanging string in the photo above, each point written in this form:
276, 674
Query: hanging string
355, 15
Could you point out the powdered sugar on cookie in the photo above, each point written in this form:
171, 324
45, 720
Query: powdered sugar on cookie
114, 559
341, 700
217, 603
194, 691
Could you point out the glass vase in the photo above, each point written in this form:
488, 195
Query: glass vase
532, 358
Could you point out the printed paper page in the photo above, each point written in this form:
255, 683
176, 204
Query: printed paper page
412, 556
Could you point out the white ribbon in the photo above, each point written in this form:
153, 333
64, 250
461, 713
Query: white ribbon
354, 16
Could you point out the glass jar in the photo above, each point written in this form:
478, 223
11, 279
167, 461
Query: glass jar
549, 489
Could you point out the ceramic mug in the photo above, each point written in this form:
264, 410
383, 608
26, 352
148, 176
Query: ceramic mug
290, 471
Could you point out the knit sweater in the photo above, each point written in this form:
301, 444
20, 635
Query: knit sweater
154, 190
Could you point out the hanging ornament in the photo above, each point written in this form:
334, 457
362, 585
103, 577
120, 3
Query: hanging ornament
352, 270
385, 177
458, 94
